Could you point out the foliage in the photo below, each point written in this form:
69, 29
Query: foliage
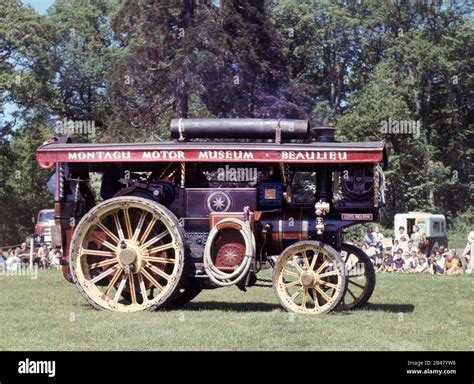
130, 66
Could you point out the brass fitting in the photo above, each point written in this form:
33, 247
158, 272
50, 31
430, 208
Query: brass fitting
321, 209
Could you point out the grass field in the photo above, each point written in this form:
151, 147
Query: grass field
406, 312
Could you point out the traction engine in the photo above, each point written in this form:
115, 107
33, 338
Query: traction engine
151, 225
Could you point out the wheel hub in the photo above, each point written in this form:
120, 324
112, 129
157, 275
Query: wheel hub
308, 279
127, 256
130, 256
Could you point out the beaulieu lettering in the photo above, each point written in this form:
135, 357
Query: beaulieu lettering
314, 155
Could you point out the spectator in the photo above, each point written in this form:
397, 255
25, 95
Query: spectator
422, 266
415, 236
452, 265
411, 247
423, 244
42, 255
398, 263
55, 258
3, 266
379, 238
23, 253
369, 238
387, 263
469, 251
395, 247
411, 262
13, 262
379, 263
402, 238
437, 263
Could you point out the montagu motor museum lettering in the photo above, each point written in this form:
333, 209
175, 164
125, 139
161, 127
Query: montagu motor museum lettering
207, 155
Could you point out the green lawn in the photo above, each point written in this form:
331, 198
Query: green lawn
406, 312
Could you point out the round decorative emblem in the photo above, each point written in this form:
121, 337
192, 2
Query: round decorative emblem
218, 202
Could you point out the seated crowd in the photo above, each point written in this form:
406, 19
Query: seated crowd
409, 254
43, 257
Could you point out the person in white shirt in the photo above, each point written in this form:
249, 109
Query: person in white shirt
411, 262
402, 238
379, 237
415, 236
411, 247
13, 262
422, 265
469, 251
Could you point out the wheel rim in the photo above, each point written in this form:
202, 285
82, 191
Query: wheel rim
358, 278
127, 247
309, 278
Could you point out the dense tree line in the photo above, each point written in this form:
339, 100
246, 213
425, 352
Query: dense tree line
130, 66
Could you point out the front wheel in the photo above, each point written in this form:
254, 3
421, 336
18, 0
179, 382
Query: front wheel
310, 278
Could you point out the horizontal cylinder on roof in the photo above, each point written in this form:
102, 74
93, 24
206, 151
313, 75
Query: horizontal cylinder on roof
238, 128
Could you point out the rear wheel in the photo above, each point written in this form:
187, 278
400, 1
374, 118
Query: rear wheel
361, 277
128, 255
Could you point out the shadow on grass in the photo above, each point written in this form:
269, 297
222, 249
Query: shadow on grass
392, 308
231, 307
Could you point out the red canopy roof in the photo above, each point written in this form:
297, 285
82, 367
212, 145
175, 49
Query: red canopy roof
308, 153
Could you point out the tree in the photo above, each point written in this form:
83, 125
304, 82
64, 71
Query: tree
199, 59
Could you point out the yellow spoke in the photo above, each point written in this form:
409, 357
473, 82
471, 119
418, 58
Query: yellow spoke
330, 273
292, 283
105, 243
322, 266
161, 248
112, 283
118, 226
120, 288
128, 223
148, 229
305, 293
95, 252
291, 273
155, 239
156, 259
108, 232
139, 226
100, 276
330, 285
315, 298
322, 293
142, 288
296, 265
159, 272
152, 279
133, 294
103, 263
313, 262
306, 261
296, 294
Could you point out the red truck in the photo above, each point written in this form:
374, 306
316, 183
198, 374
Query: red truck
43, 226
